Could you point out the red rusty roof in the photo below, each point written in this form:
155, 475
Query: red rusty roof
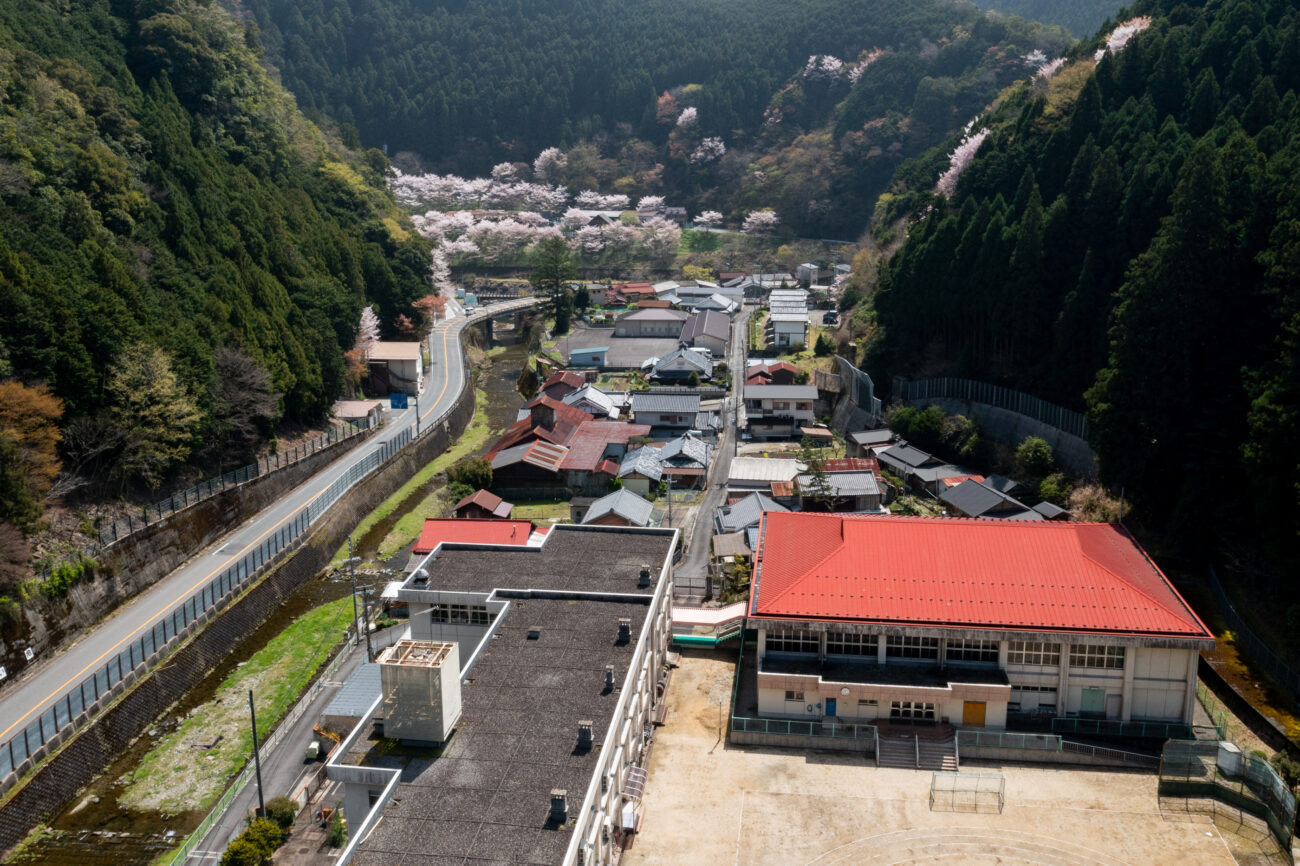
471, 531
487, 501
588, 443
1075, 577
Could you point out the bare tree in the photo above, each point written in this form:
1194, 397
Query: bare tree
244, 402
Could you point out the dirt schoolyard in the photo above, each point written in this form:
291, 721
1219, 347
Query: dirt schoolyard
709, 803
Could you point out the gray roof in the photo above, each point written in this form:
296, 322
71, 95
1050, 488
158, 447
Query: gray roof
1001, 483
356, 695
643, 461
780, 392
708, 323
626, 504
594, 396
654, 314
975, 500
746, 512
927, 474
692, 358
847, 483
905, 455
872, 437
681, 403
685, 450
1050, 510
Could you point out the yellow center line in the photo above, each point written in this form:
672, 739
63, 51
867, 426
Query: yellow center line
61, 690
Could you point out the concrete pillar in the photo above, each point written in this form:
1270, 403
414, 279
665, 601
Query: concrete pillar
821, 646
1003, 646
881, 652
762, 644
1126, 700
1063, 684
943, 652
1189, 699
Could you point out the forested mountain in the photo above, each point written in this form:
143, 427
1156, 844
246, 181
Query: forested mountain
1126, 242
1080, 17
168, 211
806, 106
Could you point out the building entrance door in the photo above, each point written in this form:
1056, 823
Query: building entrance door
972, 714
1092, 702
830, 706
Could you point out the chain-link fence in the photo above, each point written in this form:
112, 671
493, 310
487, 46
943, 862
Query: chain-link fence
967, 792
1205, 768
1065, 420
1253, 645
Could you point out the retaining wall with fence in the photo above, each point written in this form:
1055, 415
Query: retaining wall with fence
1192, 768
794, 734
82, 749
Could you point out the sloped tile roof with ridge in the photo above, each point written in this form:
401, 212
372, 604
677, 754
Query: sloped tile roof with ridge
1045, 576
686, 404
588, 445
488, 501
643, 461
624, 503
746, 512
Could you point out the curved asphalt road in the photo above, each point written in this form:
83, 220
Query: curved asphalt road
23, 700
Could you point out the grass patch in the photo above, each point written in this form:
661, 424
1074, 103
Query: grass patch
541, 510
406, 529
178, 775
24, 851
757, 340
475, 436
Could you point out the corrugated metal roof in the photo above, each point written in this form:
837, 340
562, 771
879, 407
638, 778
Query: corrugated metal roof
680, 403
1084, 577
780, 392
471, 531
765, 469
385, 351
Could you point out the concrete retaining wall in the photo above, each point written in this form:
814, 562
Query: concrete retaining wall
1043, 756
140, 560
797, 741
55, 783
1003, 425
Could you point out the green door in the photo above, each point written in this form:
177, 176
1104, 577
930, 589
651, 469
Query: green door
1093, 702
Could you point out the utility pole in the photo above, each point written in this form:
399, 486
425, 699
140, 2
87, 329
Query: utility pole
351, 563
365, 607
257, 758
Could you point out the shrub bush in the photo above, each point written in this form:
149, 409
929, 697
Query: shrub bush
282, 811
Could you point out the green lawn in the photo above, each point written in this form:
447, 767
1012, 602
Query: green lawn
541, 511
179, 774
475, 436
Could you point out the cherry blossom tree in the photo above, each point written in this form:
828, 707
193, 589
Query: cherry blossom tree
504, 172
589, 240
709, 219
593, 200
367, 330
549, 164
666, 108
823, 67
573, 219
709, 150
958, 160
1120, 36
650, 204
660, 237
760, 222
689, 117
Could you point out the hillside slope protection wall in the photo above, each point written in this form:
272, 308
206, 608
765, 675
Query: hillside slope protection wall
86, 753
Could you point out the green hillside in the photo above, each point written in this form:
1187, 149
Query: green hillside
1080, 17
1125, 243
161, 192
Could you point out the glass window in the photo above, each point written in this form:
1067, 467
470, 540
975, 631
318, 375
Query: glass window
1020, 652
792, 642
1089, 656
911, 710
971, 651
907, 647
794, 696
850, 644
1032, 699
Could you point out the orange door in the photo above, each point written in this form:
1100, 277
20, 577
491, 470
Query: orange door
972, 714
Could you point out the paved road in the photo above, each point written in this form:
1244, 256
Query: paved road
22, 701
696, 562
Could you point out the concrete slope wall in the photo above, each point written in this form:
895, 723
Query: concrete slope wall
77, 760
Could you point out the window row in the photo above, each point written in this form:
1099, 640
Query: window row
1022, 652
462, 614
911, 710
793, 642
908, 647
971, 650
1097, 657
955, 649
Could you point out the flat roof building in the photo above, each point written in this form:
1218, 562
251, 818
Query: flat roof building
562, 652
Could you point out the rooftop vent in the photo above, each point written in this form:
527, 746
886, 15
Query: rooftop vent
534, 632
609, 678
559, 806
421, 577
624, 629
585, 738
644, 579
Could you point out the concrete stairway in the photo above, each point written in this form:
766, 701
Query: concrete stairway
938, 755
897, 753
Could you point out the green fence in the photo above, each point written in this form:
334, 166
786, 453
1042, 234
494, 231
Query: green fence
1112, 728
1008, 740
1191, 768
796, 728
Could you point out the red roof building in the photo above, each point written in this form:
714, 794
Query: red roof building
976, 623
483, 504
549, 420
594, 441
439, 529
562, 384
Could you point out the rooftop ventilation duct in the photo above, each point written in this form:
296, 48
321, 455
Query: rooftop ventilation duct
559, 806
624, 629
609, 678
585, 738
644, 580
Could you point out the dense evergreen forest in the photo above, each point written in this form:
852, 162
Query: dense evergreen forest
1081, 18
806, 106
183, 257
1125, 242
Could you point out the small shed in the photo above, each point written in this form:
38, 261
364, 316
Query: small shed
593, 357
363, 413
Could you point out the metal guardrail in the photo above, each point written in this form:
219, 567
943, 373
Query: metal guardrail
75, 706
1112, 728
791, 727
1135, 758
1008, 740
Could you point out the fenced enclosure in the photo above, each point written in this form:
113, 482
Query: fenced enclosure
1254, 646
971, 391
1197, 768
967, 792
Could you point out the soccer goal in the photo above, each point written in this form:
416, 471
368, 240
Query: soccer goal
967, 792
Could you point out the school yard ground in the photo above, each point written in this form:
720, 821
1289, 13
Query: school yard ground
708, 803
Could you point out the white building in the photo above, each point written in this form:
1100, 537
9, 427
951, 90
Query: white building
965, 622
396, 368
778, 411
